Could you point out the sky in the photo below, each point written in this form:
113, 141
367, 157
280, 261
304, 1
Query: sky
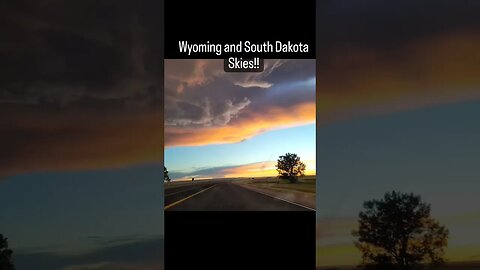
81, 134
398, 100
222, 125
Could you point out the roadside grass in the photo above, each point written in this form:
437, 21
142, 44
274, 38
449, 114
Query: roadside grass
305, 184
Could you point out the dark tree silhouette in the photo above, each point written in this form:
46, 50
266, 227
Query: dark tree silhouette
5, 255
289, 166
166, 178
397, 232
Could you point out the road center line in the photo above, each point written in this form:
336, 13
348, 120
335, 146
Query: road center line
294, 203
186, 198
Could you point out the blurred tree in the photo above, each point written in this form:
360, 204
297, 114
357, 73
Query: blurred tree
166, 178
289, 166
397, 232
6, 262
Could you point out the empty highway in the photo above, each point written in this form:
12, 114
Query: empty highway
224, 196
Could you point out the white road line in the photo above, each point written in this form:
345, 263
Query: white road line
294, 203
186, 198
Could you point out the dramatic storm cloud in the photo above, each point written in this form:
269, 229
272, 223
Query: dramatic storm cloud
204, 105
378, 57
80, 85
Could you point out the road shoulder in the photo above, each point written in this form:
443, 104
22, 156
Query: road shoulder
297, 197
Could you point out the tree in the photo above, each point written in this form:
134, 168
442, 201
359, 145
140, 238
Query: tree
397, 232
289, 166
166, 178
5, 255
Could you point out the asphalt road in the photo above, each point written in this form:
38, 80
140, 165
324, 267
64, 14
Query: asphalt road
223, 196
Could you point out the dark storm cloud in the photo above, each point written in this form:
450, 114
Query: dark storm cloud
60, 51
376, 57
203, 113
80, 84
205, 105
291, 71
200, 94
380, 23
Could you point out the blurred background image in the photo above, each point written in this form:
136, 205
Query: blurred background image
398, 101
81, 134
81, 128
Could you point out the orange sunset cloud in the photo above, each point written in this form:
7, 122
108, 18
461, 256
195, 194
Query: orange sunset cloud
263, 169
256, 169
360, 81
41, 140
254, 124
